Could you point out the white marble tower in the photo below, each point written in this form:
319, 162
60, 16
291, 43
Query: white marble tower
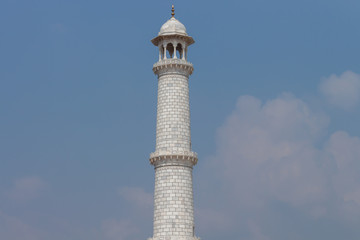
173, 159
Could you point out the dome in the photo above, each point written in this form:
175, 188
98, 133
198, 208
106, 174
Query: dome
173, 26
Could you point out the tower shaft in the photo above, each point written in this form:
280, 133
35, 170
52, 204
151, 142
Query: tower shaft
173, 210
173, 114
173, 199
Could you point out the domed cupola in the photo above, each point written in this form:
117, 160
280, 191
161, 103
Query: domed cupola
173, 26
173, 40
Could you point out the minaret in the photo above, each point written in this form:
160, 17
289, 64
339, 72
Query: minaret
173, 159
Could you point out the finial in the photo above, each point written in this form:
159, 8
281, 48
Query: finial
173, 11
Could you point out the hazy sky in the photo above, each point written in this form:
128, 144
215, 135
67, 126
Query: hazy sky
275, 111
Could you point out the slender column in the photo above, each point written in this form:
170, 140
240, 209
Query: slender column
160, 47
165, 52
175, 53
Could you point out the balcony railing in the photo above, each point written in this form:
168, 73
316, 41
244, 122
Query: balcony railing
172, 61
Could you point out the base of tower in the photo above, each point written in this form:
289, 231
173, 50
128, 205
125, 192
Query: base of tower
174, 238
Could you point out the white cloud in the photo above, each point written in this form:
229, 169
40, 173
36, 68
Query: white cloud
26, 188
12, 228
345, 150
342, 91
275, 153
268, 149
137, 196
118, 230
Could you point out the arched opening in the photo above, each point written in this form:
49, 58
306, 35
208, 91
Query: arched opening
179, 49
169, 50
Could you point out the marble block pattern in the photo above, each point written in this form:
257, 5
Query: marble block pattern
173, 121
173, 209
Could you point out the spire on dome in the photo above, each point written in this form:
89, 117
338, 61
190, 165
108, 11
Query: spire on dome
173, 28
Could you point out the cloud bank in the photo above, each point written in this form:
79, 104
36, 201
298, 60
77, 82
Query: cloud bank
274, 165
342, 91
26, 188
13, 228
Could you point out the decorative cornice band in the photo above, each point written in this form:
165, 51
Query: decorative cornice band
173, 66
187, 159
174, 238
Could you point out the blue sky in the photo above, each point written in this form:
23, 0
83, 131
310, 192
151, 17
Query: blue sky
274, 97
